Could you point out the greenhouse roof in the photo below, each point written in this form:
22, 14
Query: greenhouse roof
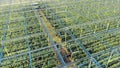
59, 33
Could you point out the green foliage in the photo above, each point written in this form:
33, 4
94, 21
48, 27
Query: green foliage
88, 17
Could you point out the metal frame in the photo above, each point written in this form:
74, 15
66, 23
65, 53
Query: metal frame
67, 29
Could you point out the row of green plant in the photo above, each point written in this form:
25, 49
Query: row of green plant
16, 42
86, 15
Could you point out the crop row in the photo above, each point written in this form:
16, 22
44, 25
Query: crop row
17, 42
93, 43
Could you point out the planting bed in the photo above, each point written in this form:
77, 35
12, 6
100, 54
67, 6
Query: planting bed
88, 33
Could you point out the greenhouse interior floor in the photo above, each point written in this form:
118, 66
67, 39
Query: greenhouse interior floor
60, 33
